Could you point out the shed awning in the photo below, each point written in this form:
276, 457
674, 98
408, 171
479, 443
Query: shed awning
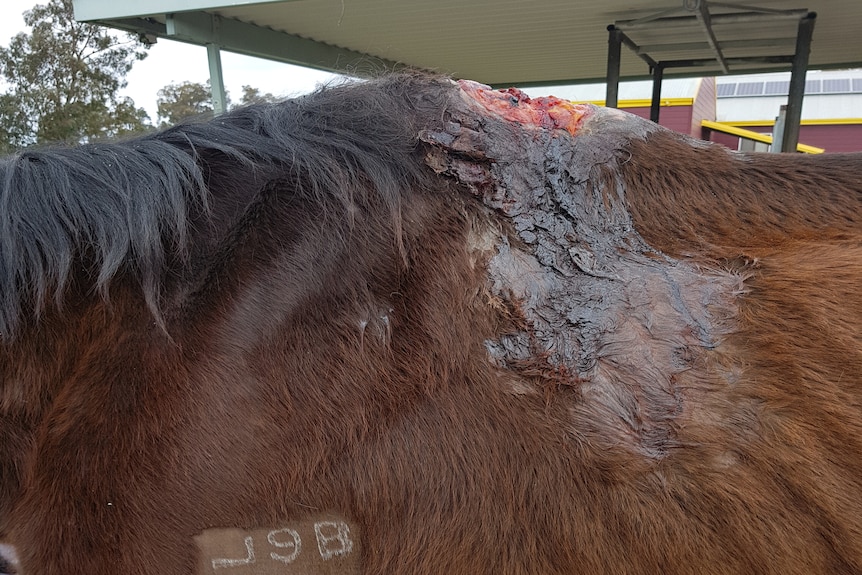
500, 42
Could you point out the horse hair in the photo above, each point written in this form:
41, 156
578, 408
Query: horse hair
133, 205
487, 345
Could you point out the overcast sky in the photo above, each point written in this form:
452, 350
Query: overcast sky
173, 62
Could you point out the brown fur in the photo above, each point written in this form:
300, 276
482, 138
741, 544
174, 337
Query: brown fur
332, 363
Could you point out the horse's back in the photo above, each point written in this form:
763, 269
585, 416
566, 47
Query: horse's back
391, 330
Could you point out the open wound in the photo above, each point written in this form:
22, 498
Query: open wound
316, 546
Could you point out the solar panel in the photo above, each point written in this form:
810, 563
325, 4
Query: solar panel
812, 86
749, 89
777, 88
782, 87
836, 85
725, 90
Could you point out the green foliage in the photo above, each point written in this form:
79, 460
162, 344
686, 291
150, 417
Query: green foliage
183, 101
253, 96
193, 100
62, 81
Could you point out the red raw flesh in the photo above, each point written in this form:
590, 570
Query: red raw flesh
515, 106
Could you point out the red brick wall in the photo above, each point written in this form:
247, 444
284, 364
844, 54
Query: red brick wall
832, 138
731, 142
676, 118
686, 120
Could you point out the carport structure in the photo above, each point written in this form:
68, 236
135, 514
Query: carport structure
513, 42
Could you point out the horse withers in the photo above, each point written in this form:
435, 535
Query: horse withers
416, 326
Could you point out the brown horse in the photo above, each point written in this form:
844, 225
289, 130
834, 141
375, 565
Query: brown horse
411, 326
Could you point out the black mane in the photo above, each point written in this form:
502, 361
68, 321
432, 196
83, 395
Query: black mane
131, 205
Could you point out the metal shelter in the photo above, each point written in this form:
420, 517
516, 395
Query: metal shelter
759, 36
501, 42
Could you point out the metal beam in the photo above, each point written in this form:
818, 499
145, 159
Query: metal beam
612, 89
793, 116
89, 10
204, 28
218, 94
731, 61
747, 8
143, 26
703, 17
726, 45
778, 131
634, 48
718, 19
655, 105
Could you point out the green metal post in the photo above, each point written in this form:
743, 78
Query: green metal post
219, 97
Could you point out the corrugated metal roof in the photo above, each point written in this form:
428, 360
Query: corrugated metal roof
499, 42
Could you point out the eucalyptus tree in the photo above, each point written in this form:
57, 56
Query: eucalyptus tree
61, 80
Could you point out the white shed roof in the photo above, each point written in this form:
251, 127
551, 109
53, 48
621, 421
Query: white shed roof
509, 42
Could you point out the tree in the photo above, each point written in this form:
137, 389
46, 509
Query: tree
178, 102
181, 101
253, 96
63, 80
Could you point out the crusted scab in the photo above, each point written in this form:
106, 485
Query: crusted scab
598, 309
623, 338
